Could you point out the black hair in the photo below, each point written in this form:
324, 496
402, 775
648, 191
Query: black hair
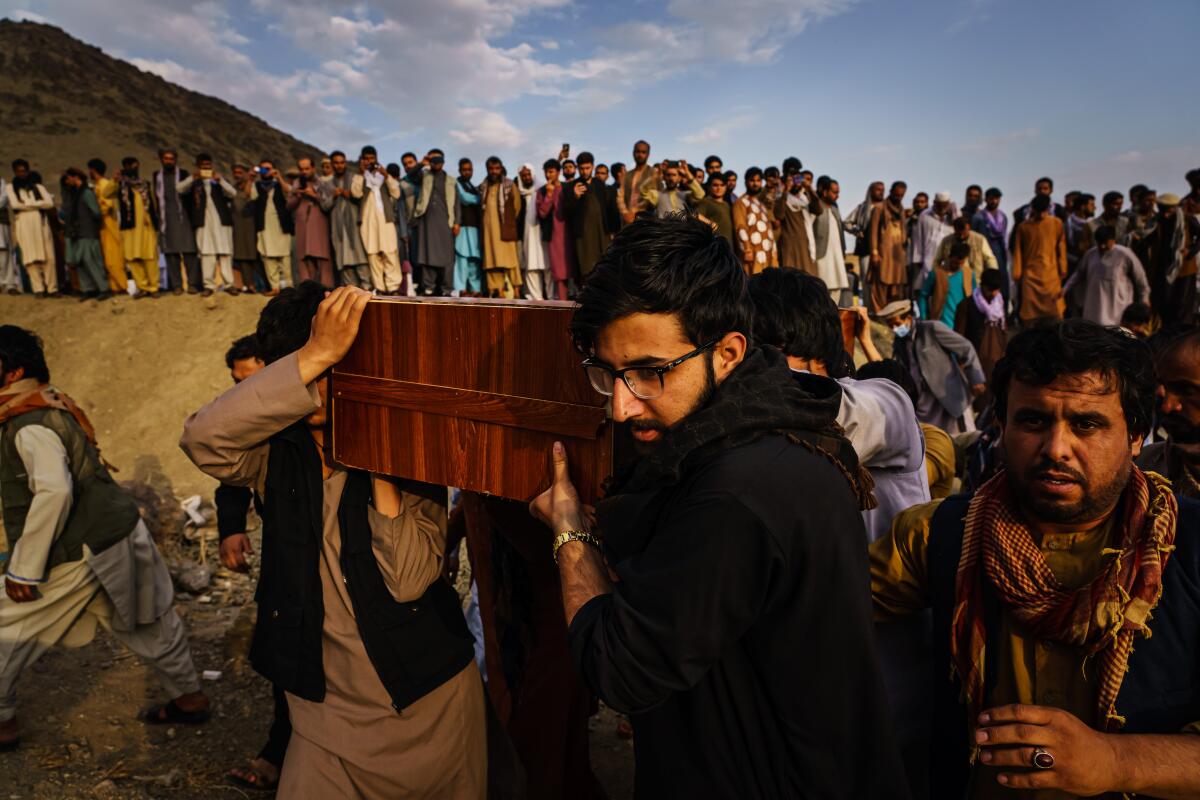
162, 151
98, 165
242, 349
919, 194
1044, 179
493, 160
464, 160
21, 348
601, 166
585, 158
335, 154
730, 175
1105, 233
712, 159
771, 172
438, 151
19, 162
1041, 354
898, 184
368, 150
286, 321
960, 250
1110, 197
128, 161
825, 182
976, 187
675, 265
641, 141
791, 165
551, 163
203, 157
266, 160
961, 222
993, 192
409, 154
566, 161
393, 169
716, 176
1040, 203
892, 370
1136, 191
617, 166
991, 279
753, 172
793, 312
1136, 314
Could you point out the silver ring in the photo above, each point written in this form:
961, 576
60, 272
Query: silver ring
1042, 759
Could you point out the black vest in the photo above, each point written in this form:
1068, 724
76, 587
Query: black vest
1161, 690
260, 208
200, 200
414, 646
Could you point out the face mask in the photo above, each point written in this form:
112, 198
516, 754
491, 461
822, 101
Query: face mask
901, 331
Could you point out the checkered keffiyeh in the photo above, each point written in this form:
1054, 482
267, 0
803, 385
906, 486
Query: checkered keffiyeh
1101, 618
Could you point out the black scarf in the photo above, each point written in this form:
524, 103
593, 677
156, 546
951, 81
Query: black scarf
466, 186
760, 397
27, 184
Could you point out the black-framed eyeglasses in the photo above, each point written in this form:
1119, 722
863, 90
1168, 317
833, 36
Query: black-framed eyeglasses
646, 383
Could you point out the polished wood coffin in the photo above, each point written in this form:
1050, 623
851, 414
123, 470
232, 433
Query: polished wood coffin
469, 393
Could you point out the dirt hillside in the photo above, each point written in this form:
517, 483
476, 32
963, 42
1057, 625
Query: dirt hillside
50, 114
138, 368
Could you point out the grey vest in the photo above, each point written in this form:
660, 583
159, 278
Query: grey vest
102, 513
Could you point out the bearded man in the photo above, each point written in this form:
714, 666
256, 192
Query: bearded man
737, 527
1048, 682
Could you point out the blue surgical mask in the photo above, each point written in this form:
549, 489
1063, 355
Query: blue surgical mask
902, 330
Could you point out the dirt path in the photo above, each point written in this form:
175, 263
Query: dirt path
139, 368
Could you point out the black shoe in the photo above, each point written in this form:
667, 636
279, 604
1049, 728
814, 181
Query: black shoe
189, 291
104, 295
206, 293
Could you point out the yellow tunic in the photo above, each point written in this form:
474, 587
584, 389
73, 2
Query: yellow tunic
500, 258
110, 233
140, 243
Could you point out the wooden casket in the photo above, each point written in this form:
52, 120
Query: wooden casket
469, 393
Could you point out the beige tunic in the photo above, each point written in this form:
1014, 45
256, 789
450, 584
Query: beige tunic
353, 744
273, 241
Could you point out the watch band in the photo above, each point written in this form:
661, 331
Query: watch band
574, 536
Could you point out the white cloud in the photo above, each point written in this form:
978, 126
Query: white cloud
451, 67
719, 132
485, 128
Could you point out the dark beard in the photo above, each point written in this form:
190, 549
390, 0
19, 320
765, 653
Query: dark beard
1092, 506
702, 400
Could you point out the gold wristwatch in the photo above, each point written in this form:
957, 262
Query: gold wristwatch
574, 536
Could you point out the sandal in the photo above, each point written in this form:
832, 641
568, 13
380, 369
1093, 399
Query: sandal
250, 777
171, 714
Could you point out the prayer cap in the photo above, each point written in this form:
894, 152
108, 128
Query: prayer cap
1168, 200
942, 197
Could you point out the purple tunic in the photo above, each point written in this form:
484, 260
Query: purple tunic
312, 227
561, 247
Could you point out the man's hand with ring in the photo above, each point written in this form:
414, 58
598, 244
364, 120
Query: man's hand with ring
1083, 759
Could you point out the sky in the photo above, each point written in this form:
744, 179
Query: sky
940, 93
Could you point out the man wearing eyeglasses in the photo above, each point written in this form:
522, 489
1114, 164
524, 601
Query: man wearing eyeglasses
737, 635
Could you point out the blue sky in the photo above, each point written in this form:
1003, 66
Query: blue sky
939, 93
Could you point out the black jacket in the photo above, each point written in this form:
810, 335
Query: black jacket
739, 636
414, 646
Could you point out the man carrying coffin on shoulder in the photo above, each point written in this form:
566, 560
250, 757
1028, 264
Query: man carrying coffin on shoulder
738, 634
354, 621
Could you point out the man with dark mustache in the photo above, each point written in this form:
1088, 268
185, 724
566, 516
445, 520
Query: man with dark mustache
1178, 365
1047, 680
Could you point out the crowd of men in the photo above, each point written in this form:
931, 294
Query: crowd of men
843, 563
